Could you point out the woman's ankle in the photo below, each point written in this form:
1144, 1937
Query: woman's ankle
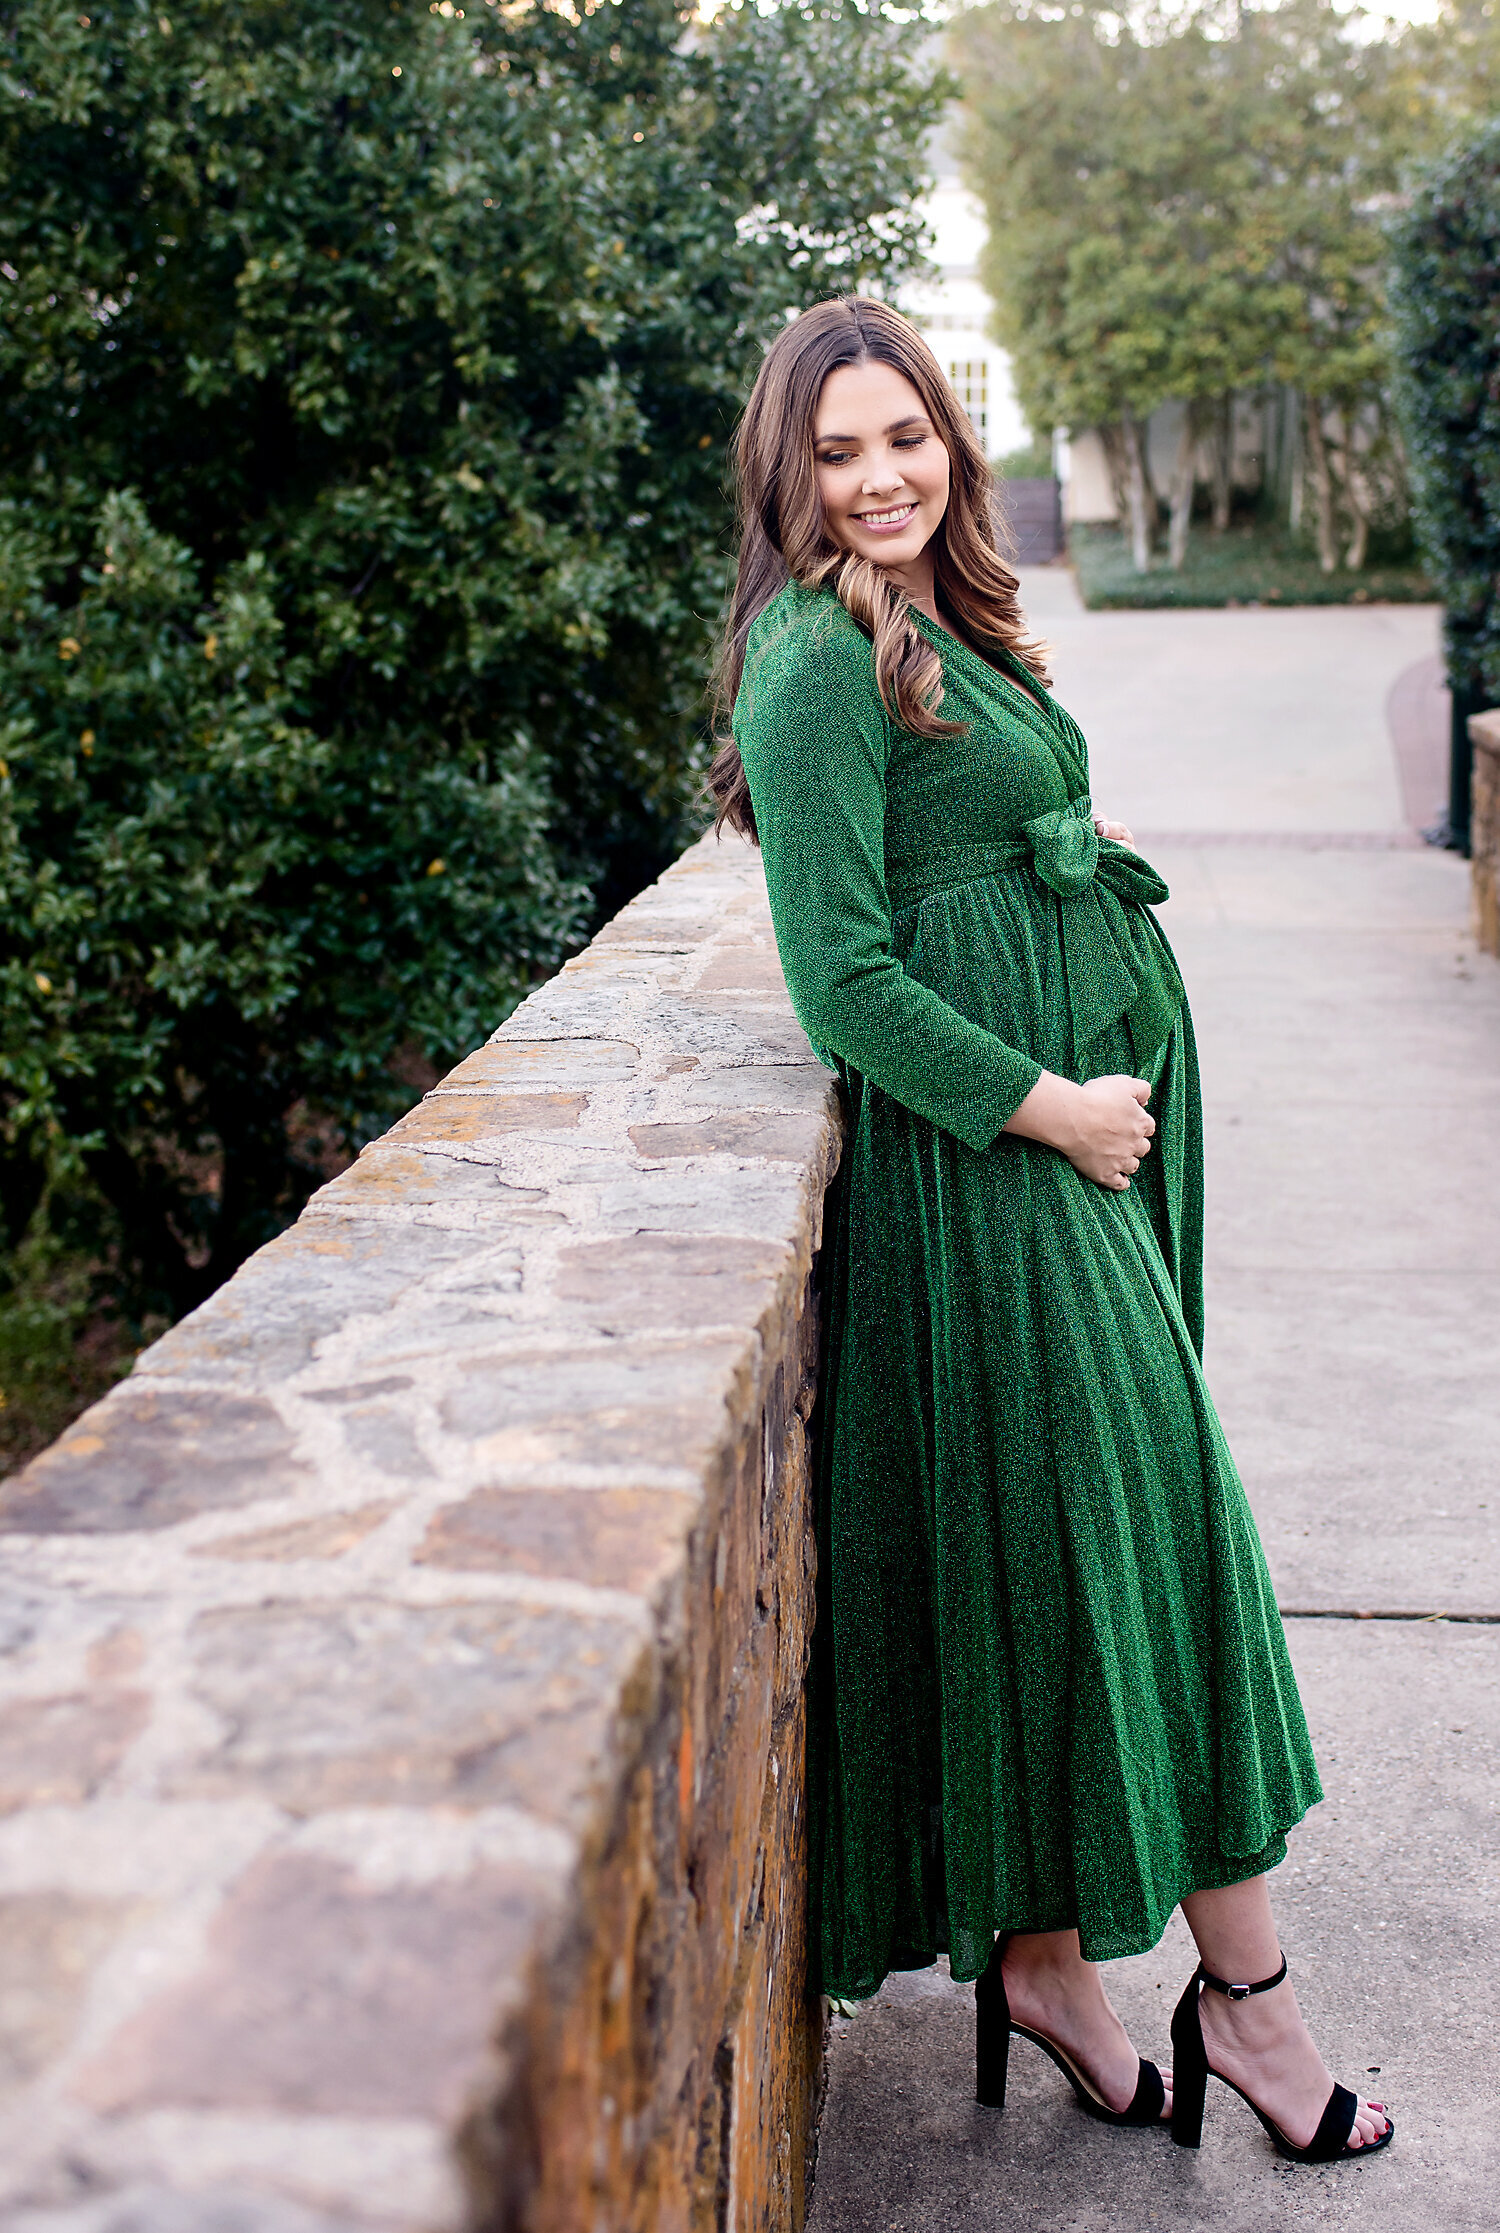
1053, 1976
1038, 1953
1252, 2022
1235, 1931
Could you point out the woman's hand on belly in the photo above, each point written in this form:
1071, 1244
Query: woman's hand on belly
1102, 1128
1115, 830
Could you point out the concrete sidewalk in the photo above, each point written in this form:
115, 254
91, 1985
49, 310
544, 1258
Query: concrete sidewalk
1351, 1055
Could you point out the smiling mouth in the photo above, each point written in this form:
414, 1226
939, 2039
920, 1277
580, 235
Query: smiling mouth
897, 517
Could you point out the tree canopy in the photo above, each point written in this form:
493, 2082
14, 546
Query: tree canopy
367, 374
1188, 201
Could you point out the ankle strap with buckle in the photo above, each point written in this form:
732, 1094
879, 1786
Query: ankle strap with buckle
1241, 1992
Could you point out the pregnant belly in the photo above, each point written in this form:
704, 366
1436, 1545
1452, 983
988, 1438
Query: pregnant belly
1049, 975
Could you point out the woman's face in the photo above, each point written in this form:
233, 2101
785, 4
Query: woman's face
882, 470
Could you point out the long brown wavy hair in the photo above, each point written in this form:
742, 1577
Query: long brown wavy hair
783, 534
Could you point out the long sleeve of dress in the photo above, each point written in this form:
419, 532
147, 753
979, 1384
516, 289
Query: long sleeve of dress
814, 739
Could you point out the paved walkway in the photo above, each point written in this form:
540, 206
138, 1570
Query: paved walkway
1351, 1052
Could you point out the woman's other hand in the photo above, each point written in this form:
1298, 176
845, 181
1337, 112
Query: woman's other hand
1116, 830
1103, 1128
1112, 1130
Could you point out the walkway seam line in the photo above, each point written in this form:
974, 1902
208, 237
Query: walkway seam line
1341, 1612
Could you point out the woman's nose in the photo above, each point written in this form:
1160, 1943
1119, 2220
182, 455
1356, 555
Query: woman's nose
882, 478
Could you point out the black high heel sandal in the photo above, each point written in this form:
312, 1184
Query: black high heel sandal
993, 2028
1191, 2071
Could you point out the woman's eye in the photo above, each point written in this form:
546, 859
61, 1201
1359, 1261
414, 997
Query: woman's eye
835, 457
911, 441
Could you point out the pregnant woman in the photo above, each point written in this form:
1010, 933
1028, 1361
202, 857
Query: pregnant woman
1053, 1699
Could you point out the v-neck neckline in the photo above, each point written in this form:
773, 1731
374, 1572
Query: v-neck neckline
1041, 707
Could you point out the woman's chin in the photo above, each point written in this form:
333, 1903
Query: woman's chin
900, 550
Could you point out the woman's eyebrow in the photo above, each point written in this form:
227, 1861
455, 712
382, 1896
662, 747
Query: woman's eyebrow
916, 418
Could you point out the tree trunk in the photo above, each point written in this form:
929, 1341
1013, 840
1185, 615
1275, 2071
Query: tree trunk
1353, 486
1359, 536
1184, 482
1113, 442
1222, 441
1298, 475
1322, 482
1140, 499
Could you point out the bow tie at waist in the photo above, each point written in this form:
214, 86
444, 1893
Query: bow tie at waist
1118, 964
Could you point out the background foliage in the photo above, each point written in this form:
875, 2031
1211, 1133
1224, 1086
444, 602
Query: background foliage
1446, 309
366, 374
1188, 202
1254, 563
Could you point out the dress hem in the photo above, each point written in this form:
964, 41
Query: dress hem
1232, 1869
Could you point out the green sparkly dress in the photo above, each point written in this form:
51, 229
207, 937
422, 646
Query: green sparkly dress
1050, 1686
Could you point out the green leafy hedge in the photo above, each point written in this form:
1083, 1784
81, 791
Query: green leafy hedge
1445, 287
215, 907
366, 373
1256, 563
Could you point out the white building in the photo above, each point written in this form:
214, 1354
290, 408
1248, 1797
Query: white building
954, 310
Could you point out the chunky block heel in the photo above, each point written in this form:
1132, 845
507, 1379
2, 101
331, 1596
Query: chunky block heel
992, 2031
1191, 2071
991, 2035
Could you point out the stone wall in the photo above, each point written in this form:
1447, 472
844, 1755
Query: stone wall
401, 1794
1484, 827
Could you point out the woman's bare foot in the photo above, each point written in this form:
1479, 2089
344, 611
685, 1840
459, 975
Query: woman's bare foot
1266, 2048
1053, 1990
1262, 2042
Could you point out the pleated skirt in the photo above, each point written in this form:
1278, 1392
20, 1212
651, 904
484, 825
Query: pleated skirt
1050, 1684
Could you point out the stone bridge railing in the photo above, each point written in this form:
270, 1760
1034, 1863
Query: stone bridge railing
401, 1802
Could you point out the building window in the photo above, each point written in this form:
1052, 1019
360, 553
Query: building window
971, 384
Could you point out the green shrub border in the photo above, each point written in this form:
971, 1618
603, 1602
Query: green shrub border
1445, 282
1255, 568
